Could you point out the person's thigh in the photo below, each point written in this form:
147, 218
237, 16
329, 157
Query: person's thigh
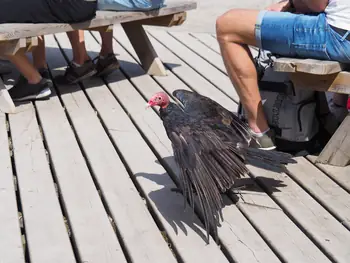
293, 35
46, 11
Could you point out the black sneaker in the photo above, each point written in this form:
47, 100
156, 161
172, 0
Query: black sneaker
23, 91
106, 65
74, 73
44, 72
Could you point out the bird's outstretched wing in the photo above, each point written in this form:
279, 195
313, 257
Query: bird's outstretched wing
207, 165
206, 108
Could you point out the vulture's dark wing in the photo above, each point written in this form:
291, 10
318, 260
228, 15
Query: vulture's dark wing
207, 164
205, 108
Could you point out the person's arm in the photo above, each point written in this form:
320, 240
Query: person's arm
310, 6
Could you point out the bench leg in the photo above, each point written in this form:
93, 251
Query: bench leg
144, 49
6, 103
337, 150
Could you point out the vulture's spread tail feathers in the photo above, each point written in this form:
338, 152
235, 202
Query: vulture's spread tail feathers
271, 158
207, 170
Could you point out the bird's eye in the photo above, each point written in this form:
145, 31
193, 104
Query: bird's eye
159, 98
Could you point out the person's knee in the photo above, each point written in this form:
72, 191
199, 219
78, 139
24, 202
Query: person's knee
226, 26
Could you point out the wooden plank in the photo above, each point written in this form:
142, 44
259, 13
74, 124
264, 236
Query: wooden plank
200, 49
166, 21
311, 66
152, 128
103, 18
338, 82
337, 150
11, 248
338, 174
140, 234
318, 223
6, 102
184, 229
182, 73
92, 231
207, 40
144, 49
46, 234
323, 189
217, 78
245, 239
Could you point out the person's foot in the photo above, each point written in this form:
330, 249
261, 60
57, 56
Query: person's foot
264, 142
75, 73
106, 65
23, 91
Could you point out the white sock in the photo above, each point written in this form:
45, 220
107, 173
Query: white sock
259, 134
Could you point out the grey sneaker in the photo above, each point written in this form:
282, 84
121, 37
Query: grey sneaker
266, 142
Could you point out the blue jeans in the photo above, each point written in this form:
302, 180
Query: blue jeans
298, 35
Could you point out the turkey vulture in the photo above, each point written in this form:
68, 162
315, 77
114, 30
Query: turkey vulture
211, 147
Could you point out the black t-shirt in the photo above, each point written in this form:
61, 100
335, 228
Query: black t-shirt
46, 11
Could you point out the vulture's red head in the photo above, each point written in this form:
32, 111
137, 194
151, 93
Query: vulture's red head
160, 99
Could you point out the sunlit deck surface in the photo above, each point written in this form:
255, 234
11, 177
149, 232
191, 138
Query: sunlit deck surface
86, 176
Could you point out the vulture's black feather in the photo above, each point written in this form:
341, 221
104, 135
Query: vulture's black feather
210, 146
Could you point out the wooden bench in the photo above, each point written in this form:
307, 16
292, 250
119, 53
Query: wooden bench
24, 37
323, 76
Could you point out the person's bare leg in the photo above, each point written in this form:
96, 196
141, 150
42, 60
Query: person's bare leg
234, 34
25, 67
77, 41
39, 54
107, 43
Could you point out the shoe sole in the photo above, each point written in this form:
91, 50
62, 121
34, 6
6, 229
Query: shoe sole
108, 70
268, 148
88, 75
42, 95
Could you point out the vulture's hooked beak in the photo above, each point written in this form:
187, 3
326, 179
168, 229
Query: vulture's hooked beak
150, 104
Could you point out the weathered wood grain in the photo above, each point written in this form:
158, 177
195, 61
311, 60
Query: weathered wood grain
242, 238
311, 66
92, 231
207, 40
46, 234
144, 49
140, 234
153, 130
103, 18
209, 72
323, 189
182, 72
324, 229
200, 49
337, 150
11, 248
338, 82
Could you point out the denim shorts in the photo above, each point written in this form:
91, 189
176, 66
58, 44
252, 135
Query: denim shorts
298, 35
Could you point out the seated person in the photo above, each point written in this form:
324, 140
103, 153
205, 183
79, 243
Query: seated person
34, 81
319, 29
36, 84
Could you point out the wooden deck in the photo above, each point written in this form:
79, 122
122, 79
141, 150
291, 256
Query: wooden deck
86, 175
